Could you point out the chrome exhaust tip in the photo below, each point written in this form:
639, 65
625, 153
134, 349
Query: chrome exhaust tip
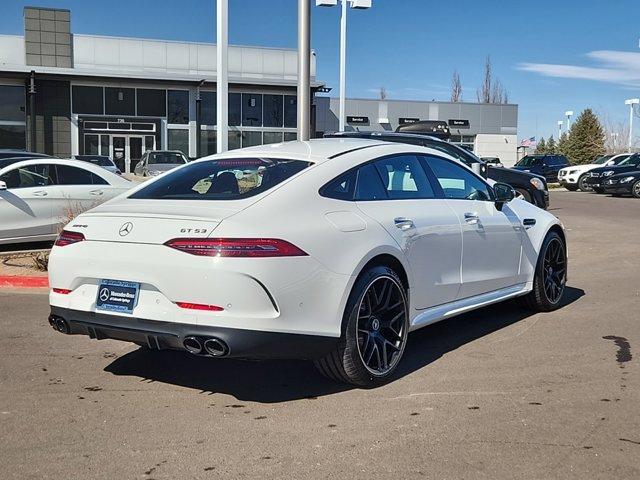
192, 345
216, 347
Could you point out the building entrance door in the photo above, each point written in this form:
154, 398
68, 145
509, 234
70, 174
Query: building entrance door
135, 152
119, 152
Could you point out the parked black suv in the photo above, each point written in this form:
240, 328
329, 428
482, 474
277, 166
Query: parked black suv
547, 166
596, 177
533, 188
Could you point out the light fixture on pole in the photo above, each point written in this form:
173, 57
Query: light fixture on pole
360, 4
631, 102
569, 114
222, 76
560, 123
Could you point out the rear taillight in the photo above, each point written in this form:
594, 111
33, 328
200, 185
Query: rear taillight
67, 238
236, 247
62, 291
199, 306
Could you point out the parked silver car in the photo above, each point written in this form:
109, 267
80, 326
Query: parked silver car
101, 161
155, 162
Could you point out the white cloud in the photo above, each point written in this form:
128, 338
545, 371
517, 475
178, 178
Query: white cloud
618, 67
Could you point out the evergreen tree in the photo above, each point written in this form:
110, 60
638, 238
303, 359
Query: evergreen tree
541, 147
551, 145
562, 147
586, 138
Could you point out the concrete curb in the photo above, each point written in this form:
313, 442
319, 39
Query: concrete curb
16, 281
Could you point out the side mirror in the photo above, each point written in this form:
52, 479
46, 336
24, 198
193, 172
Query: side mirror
3, 186
503, 194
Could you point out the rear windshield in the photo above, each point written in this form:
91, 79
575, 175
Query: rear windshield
227, 179
166, 157
96, 160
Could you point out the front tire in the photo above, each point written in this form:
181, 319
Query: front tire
598, 189
550, 276
571, 187
376, 321
525, 195
635, 189
582, 184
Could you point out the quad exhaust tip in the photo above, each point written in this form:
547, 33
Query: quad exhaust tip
59, 324
206, 346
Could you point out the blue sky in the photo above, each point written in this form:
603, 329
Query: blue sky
551, 56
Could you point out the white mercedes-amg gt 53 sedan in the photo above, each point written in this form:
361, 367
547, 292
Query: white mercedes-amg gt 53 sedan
331, 250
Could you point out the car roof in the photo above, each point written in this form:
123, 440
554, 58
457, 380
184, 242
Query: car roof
316, 150
398, 135
101, 172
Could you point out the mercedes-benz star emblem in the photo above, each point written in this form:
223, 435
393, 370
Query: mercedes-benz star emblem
125, 229
104, 294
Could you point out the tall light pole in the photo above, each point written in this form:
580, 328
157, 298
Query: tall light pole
631, 102
304, 70
222, 74
560, 123
569, 114
360, 4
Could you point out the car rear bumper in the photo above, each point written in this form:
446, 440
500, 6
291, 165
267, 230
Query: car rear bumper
231, 342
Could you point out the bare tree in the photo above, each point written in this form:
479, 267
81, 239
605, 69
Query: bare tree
616, 134
484, 93
491, 91
456, 87
383, 93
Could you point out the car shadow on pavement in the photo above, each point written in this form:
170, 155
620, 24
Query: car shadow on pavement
281, 380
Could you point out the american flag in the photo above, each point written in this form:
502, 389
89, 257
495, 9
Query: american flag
528, 142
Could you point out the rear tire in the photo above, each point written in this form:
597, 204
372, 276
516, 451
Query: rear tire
376, 325
550, 276
582, 185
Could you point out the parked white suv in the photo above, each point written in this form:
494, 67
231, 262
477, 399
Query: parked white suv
572, 177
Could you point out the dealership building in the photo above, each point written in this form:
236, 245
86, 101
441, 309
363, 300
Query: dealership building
66, 94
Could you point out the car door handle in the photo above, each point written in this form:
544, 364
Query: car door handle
403, 223
96, 192
40, 193
471, 218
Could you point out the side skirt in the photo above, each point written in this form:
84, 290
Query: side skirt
441, 312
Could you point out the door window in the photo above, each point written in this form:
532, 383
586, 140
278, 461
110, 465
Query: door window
30, 176
68, 175
404, 178
457, 182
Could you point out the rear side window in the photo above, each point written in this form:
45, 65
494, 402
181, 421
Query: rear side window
68, 175
226, 179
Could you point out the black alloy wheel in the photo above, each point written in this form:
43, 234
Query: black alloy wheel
554, 270
381, 325
375, 330
635, 189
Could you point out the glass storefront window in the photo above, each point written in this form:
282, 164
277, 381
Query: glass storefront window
251, 139
235, 99
120, 101
12, 103
178, 106
104, 145
234, 140
151, 102
290, 111
178, 139
251, 110
208, 106
272, 137
208, 142
290, 136
273, 110
91, 144
13, 136
149, 142
87, 100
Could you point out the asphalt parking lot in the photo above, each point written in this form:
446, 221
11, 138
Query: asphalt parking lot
497, 393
